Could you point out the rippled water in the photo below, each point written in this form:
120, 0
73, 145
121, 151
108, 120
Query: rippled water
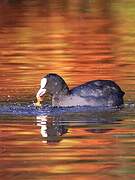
80, 40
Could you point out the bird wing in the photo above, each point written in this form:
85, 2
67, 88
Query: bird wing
97, 88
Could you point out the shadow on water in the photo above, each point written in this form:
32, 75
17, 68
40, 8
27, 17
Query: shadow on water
53, 127
55, 122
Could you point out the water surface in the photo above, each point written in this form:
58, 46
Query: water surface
81, 40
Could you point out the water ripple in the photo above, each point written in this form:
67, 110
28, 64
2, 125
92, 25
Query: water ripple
30, 110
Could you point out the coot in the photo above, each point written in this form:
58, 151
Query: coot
96, 93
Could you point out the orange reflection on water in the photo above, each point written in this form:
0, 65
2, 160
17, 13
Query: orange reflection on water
80, 151
80, 46
81, 41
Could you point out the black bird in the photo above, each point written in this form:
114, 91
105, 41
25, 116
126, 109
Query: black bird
96, 93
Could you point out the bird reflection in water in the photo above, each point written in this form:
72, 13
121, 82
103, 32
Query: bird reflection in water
51, 129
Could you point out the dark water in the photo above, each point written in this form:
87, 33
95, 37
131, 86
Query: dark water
81, 40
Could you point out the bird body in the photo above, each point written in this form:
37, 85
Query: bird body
97, 93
